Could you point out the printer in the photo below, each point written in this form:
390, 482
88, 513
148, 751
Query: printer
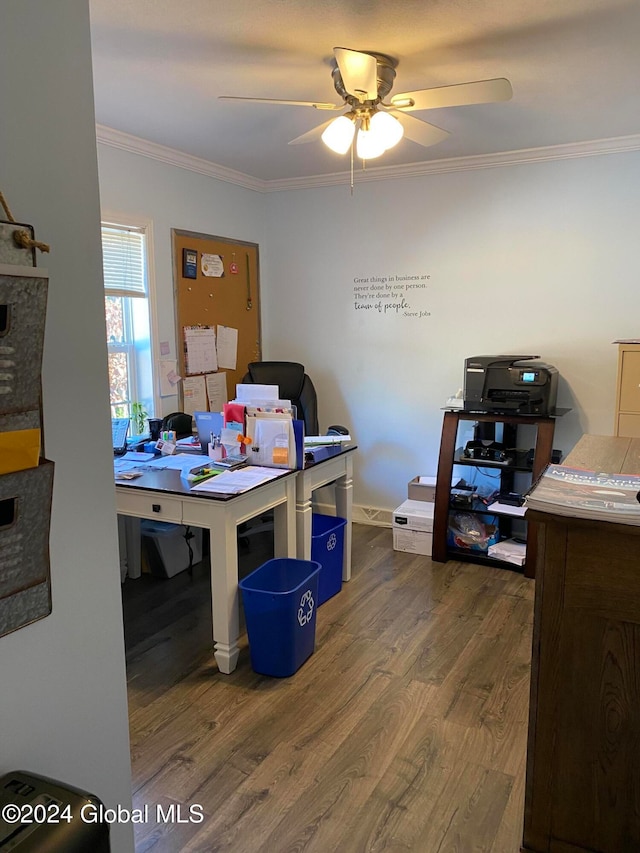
509, 384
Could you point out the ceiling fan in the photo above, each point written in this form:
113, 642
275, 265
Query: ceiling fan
363, 79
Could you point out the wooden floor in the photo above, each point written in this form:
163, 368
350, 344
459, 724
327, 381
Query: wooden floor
405, 730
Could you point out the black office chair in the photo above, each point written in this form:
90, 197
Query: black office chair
180, 422
294, 385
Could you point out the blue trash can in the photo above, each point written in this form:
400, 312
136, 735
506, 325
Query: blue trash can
280, 601
327, 548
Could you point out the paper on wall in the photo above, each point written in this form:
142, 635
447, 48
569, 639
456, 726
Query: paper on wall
169, 377
200, 343
216, 390
195, 394
212, 265
227, 347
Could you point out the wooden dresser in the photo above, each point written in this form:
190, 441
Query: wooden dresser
583, 760
627, 416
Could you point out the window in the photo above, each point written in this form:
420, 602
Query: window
126, 283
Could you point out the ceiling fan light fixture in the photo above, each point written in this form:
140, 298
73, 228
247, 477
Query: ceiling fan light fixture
387, 129
369, 144
338, 135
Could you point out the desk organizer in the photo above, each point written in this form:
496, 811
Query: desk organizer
26, 479
23, 304
25, 513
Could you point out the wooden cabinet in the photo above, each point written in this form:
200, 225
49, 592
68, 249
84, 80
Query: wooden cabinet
627, 416
520, 434
583, 762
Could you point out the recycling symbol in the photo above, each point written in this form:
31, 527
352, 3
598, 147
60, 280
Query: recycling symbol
305, 610
332, 541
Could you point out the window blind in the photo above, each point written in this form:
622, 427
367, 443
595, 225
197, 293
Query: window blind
123, 261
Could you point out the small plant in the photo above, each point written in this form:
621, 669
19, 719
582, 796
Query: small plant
139, 417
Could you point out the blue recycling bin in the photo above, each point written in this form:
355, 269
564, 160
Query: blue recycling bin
327, 548
280, 601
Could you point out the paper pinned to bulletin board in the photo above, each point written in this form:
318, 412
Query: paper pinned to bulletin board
227, 347
217, 392
200, 349
195, 394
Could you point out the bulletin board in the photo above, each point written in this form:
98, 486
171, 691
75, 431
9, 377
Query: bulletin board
216, 283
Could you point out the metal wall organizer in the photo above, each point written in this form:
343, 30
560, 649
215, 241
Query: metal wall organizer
26, 477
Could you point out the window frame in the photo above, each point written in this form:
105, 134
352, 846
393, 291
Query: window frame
116, 219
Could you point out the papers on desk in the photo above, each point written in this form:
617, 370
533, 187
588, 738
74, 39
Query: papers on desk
121, 465
240, 480
247, 393
319, 440
178, 461
135, 456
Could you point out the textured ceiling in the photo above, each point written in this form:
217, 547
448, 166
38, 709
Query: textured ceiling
160, 65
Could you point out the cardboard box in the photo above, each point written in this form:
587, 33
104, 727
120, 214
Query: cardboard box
413, 527
422, 489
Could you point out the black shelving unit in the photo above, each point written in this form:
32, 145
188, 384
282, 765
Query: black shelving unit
509, 429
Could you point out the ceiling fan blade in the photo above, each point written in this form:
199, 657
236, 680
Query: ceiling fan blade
420, 131
311, 135
359, 73
480, 92
316, 104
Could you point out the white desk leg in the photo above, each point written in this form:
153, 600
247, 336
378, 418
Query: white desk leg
224, 591
129, 544
304, 514
344, 509
284, 521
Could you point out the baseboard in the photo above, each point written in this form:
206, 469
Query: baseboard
361, 514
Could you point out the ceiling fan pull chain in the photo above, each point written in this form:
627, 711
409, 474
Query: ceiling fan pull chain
352, 168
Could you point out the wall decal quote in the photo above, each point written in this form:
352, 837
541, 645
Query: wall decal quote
393, 295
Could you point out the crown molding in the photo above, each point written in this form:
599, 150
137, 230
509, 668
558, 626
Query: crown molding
136, 145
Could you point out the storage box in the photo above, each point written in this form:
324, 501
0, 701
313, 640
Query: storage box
327, 548
422, 489
413, 527
166, 548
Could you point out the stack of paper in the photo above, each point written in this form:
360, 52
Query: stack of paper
240, 480
320, 440
510, 551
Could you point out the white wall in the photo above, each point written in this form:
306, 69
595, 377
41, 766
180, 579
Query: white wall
173, 197
538, 258
533, 258
63, 699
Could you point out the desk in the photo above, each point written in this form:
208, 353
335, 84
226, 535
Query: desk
583, 759
336, 468
163, 495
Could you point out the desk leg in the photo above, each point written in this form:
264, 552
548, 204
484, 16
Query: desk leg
129, 547
284, 520
344, 509
304, 513
224, 591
